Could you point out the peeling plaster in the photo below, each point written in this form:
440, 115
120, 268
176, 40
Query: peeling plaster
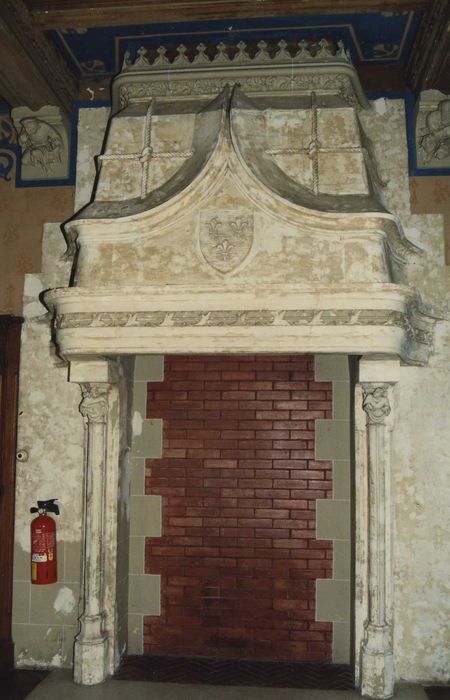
65, 602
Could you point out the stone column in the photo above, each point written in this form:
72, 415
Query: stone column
90, 661
377, 660
92, 654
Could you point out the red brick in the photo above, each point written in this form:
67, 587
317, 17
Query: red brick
239, 479
272, 415
189, 522
271, 513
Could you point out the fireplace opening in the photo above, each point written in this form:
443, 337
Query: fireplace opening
251, 558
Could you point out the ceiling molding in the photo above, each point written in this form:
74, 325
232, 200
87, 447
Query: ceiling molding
33, 73
429, 63
63, 14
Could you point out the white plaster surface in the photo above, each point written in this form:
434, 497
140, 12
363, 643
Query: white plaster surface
49, 427
421, 440
65, 601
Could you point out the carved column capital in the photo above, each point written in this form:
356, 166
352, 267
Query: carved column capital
94, 405
376, 402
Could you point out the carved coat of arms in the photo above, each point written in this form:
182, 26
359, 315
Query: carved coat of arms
225, 237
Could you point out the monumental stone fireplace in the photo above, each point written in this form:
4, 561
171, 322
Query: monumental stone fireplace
238, 209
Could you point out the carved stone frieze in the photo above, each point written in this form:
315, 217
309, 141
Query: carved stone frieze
332, 83
310, 66
253, 317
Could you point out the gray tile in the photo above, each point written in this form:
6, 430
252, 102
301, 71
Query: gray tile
341, 400
329, 367
144, 594
332, 600
137, 483
137, 554
38, 645
341, 642
54, 604
140, 398
21, 601
342, 559
149, 442
332, 439
135, 634
22, 565
149, 367
332, 519
341, 478
145, 515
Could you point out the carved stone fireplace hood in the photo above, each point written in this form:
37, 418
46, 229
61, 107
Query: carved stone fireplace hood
237, 218
225, 222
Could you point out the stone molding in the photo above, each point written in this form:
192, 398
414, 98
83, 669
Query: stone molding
384, 317
324, 51
329, 70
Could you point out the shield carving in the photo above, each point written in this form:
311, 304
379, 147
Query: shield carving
226, 237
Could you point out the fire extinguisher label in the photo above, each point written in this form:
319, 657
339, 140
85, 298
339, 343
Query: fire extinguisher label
39, 558
43, 546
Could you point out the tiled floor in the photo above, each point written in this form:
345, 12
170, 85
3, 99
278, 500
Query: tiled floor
59, 686
208, 671
438, 692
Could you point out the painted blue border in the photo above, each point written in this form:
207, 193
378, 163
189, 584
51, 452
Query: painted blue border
6, 148
361, 33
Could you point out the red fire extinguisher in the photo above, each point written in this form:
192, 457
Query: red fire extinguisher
43, 543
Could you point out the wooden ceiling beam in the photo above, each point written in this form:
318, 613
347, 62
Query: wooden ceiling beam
63, 14
429, 63
33, 73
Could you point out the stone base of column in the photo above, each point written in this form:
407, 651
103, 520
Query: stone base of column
377, 664
90, 661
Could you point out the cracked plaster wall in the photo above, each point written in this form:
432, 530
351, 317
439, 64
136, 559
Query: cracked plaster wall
421, 451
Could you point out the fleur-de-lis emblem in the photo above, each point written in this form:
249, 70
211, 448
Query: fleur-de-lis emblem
226, 238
